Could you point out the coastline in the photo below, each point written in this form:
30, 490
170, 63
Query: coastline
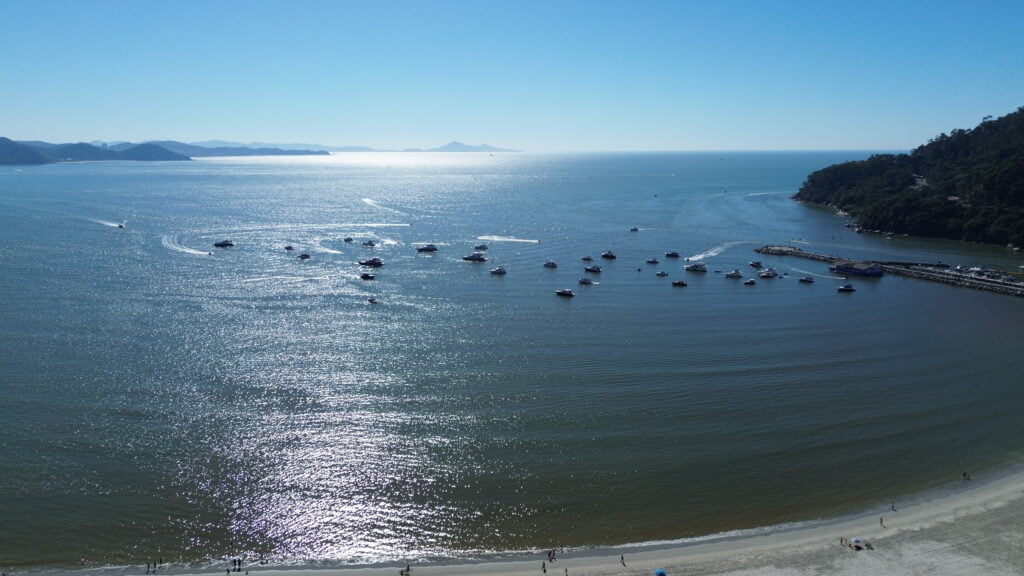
974, 529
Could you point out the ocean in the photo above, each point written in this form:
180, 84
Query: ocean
163, 398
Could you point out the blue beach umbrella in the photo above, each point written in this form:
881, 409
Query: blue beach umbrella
660, 572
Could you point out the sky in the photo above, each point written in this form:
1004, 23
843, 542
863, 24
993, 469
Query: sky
538, 76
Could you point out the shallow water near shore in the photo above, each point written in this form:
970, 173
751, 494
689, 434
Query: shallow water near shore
166, 399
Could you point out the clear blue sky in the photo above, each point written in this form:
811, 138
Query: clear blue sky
539, 76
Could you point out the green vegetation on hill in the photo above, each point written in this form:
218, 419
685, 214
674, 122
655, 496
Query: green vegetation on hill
968, 184
44, 153
12, 153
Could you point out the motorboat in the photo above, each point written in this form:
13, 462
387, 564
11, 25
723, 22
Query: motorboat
499, 271
593, 269
768, 273
586, 281
303, 256
634, 229
224, 244
369, 243
366, 276
696, 267
372, 300
587, 259
566, 292
289, 248
680, 283
475, 257
672, 254
550, 264
372, 262
652, 261
661, 273
609, 255
755, 264
806, 280
427, 248
733, 274
348, 238
749, 282
480, 247
846, 288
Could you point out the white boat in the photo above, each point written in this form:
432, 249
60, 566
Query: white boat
652, 261
587, 259
846, 288
749, 282
366, 276
499, 271
768, 273
550, 264
806, 280
696, 267
733, 274
568, 293
372, 262
369, 243
755, 264
609, 255
475, 257
681, 283
661, 273
480, 247
593, 269
586, 281
672, 254
427, 248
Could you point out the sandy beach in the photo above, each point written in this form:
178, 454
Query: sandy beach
975, 528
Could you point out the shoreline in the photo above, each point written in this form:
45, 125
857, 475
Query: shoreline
972, 530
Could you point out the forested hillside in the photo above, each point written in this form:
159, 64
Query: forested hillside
968, 184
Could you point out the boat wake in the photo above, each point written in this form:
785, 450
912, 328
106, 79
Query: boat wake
507, 239
372, 202
716, 250
171, 243
107, 223
320, 246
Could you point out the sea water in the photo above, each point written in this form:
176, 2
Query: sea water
163, 398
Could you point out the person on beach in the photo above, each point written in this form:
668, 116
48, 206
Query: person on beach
881, 522
543, 566
622, 558
893, 507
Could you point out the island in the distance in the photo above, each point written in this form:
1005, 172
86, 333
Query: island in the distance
965, 185
456, 146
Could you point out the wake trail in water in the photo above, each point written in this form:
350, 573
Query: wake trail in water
106, 222
320, 246
507, 239
171, 243
372, 202
716, 250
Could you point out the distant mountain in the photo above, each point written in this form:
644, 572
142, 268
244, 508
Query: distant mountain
13, 153
197, 151
456, 146
45, 153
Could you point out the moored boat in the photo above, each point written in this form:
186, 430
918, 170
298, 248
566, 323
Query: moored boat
566, 292
846, 288
372, 262
499, 271
475, 257
696, 267
427, 248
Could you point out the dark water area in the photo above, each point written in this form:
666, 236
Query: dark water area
162, 398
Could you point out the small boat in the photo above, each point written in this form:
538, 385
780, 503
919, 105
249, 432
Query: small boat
480, 247
755, 264
223, 244
550, 264
303, 256
499, 271
586, 281
289, 248
749, 282
609, 255
696, 267
652, 261
846, 288
427, 248
661, 273
366, 276
568, 293
768, 273
672, 254
593, 269
475, 257
369, 243
806, 280
348, 238
680, 283
120, 226
634, 229
372, 300
587, 259
733, 274
373, 262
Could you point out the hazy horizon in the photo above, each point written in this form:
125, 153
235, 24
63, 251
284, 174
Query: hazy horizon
531, 76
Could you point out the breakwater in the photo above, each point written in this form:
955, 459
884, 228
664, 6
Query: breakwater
932, 271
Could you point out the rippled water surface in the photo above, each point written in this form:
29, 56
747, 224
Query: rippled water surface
163, 398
